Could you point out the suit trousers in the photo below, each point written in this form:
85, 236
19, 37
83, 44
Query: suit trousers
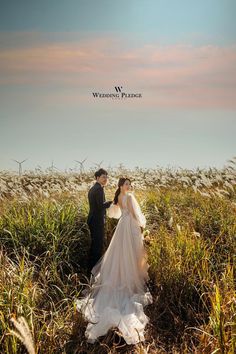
97, 243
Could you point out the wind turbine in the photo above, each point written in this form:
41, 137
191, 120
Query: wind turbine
81, 164
98, 164
20, 165
53, 167
109, 167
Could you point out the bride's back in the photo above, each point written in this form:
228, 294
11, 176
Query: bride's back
121, 201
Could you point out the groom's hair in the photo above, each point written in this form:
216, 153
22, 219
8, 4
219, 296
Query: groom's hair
100, 172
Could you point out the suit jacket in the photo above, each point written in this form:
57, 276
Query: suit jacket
97, 204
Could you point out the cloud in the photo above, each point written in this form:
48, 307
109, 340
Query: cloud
178, 75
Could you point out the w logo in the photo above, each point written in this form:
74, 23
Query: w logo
118, 88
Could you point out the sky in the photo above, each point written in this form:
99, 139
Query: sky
179, 55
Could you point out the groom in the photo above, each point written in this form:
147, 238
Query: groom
96, 216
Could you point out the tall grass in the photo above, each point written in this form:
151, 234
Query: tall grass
191, 251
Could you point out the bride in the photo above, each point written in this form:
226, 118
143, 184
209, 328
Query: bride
118, 290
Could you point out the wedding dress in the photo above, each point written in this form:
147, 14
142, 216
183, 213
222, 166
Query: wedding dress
118, 290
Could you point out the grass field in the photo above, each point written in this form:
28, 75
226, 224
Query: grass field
190, 239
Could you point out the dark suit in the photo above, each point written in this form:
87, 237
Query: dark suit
96, 222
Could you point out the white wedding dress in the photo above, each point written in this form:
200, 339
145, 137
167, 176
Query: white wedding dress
118, 290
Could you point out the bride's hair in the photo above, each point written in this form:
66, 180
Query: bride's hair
120, 183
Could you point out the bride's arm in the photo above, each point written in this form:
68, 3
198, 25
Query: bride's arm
130, 206
135, 210
114, 211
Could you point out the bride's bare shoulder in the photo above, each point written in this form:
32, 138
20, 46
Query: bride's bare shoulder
129, 194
